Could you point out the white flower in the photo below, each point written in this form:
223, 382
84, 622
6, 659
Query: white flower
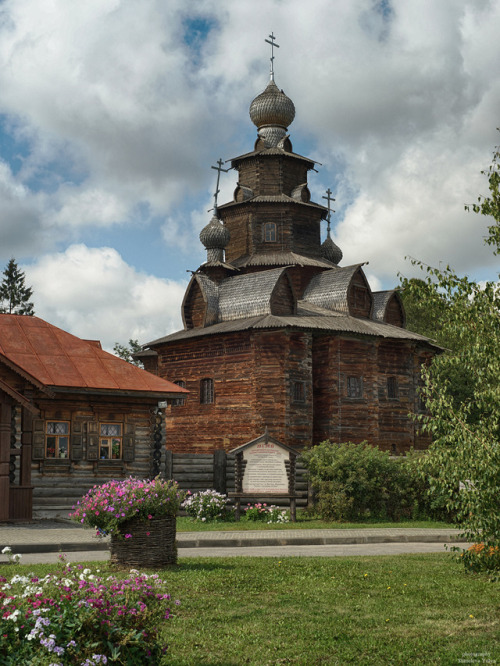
6, 550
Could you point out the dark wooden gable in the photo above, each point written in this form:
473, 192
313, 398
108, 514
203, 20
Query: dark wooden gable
388, 307
199, 307
359, 295
283, 301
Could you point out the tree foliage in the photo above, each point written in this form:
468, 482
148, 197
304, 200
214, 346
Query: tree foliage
14, 294
461, 387
126, 351
490, 205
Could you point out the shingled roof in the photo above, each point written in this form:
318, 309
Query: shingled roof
329, 289
281, 259
248, 295
58, 360
333, 322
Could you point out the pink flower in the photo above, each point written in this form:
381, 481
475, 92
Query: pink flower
148, 533
150, 517
128, 536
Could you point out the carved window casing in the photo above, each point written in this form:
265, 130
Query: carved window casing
110, 441
207, 395
354, 387
57, 439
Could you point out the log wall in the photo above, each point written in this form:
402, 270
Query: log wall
198, 472
59, 483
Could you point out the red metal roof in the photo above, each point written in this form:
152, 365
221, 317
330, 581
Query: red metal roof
61, 360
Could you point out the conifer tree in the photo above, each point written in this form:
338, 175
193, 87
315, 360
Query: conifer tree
14, 294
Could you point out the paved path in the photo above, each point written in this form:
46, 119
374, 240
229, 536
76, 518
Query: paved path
42, 541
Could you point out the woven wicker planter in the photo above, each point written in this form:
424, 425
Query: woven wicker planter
152, 543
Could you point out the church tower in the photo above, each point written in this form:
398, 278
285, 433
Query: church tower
277, 333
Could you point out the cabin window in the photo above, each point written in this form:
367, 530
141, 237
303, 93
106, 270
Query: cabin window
57, 439
354, 387
270, 232
392, 387
299, 392
110, 441
177, 402
206, 391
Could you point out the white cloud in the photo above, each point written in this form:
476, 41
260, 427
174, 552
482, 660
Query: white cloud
94, 294
120, 120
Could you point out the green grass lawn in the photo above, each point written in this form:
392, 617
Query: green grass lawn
405, 609
186, 524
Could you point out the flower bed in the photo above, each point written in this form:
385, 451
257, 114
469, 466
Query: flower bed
109, 506
78, 617
205, 505
266, 513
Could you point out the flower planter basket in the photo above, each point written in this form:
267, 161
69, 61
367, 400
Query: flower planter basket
151, 544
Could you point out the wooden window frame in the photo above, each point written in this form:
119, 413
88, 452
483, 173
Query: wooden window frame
269, 232
179, 402
207, 391
103, 437
299, 392
354, 387
392, 388
57, 436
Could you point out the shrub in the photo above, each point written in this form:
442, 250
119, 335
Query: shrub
358, 481
205, 505
77, 617
106, 507
480, 557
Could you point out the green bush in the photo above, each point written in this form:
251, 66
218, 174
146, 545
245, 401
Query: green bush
358, 481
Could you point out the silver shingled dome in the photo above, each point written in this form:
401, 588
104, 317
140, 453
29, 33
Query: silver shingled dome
272, 108
215, 236
331, 251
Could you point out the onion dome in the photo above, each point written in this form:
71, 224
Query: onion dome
215, 237
331, 251
272, 111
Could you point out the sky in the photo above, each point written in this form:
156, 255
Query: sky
112, 113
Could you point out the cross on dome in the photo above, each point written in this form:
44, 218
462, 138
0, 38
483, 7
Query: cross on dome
273, 45
218, 168
329, 199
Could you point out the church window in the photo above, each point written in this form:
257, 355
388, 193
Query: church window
110, 441
177, 402
299, 392
206, 391
392, 387
354, 387
57, 439
270, 232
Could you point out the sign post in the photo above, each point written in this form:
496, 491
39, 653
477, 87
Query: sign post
265, 468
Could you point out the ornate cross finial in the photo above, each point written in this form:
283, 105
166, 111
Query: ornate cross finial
329, 199
218, 168
273, 45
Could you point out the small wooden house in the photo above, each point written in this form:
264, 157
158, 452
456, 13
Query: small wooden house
71, 416
277, 334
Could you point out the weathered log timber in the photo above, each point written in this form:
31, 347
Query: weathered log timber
72, 416
276, 333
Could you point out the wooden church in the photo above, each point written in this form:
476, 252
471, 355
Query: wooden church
277, 333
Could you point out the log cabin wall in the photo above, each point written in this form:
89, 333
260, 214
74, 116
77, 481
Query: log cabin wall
388, 374
231, 418
254, 375
59, 483
396, 396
